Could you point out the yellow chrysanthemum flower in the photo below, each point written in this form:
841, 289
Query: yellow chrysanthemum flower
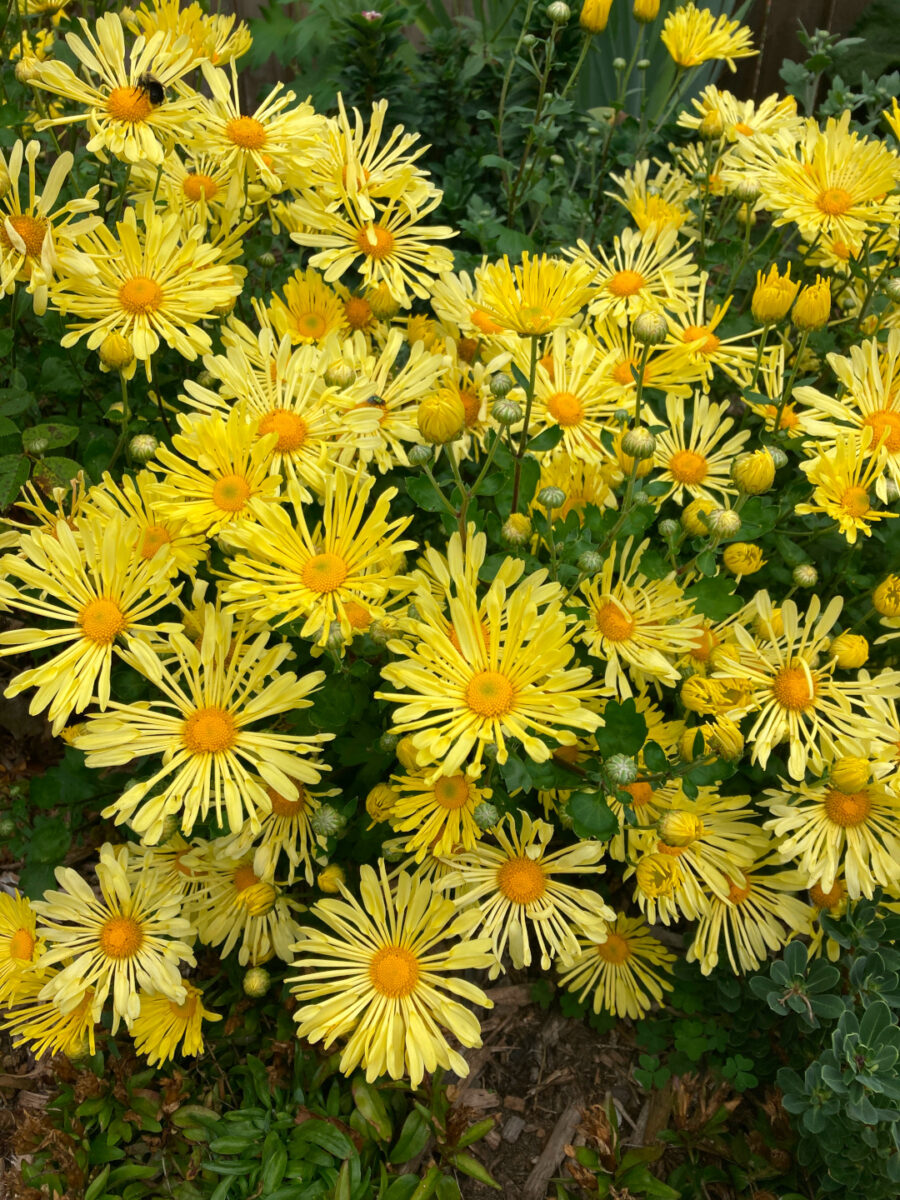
646, 272
96, 592
518, 894
212, 755
240, 903
760, 915
219, 480
828, 832
696, 332
47, 1027
640, 626
795, 693
394, 249
869, 399
165, 1027
694, 36
583, 483
290, 571
39, 239
655, 205
697, 464
150, 282
385, 973
569, 393
835, 184
136, 499
197, 188
533, 297
744, 118
667, 369
626, 974
121, 118
309, 311
472, 688
843, 482
20, 949
130, 936
437, 812
212, 36
287, 830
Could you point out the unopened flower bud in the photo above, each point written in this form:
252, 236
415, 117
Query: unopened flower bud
619, 64
723, 522
743, 558
206, 379
643, 64
590, 562
529, 40
695, 514
747, 191
557, 160
380, 801
329, 879
812, 307
266, 260
441, 417
142, 447
594, 15
27, 68
326, 821
891, 491
754, 473
257, 982
657, 875
669, 528
646, 11
805, 576
773, 296
712, 126
407, 755
892, 290
850, 774
551, 497
506, 411
339, 375
516, 529
116, 352
650, 329
486, 815
850, 650
559, 12
779, 457
886, 597
379, 632
388, 742
677, 828
620, 769
639, 443
501, 384
420, 455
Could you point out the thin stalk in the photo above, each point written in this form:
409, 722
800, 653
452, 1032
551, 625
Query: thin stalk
523, 439
463, 513
786, 394
159, 400
507, 77
759, 356
639, 383
448, 507
482, 474
123, 433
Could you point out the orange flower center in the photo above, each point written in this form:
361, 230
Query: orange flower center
244, 877
358, 312
199, 187
471, 407
482, 321
671, 851
184, 1011
622, 373
794, 689
467, 348
231, 493
855, 502
311, 325
708, 342
687, 466
614, 622
626, 283
209, 731
490, 694
21, 945
31, 230
394, 972
154, 537
101, 621
823, 899
565, 408
121, 937
885, 424
290, 427
737, 895
451, 791
140, 295
129, 104
615, 949
375, 241
358, 615
281, 806
641, 793
324, 573
246, 132
834, 201
847, 808
522, 880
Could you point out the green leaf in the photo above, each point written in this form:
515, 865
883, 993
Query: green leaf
706, 562
97, 1185
412, 1140
469, 1165
623, 731
327, 1136
14, 472
714, 598
10, 435
591, 816
49, 842
54, 472
370, 1104
655, 757
547, 441
422, 492
274, 1161
49, 436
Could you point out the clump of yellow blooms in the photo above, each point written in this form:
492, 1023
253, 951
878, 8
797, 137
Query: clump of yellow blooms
479, 522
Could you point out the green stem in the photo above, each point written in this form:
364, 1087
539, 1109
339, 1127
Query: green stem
120, 204
759, 356
448, 507
626, 507
523, 439
639, 383
123, 433
482, 474
159, 399
786, 394
507, 78
538, 114
462, 515
576, 70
